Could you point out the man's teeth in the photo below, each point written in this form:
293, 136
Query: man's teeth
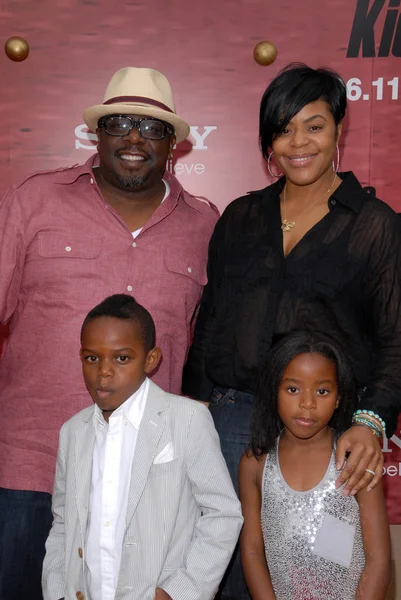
131, 157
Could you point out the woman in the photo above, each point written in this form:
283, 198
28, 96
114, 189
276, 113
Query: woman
312, 251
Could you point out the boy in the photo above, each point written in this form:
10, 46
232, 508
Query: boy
143, 503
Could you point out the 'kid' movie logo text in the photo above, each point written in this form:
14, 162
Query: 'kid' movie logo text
363, 29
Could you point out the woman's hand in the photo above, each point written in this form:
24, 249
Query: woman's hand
161, 595
365, 453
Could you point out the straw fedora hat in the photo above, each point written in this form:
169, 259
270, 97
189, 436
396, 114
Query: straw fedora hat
140, 92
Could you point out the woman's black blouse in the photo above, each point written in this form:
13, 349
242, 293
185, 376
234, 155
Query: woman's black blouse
343, 279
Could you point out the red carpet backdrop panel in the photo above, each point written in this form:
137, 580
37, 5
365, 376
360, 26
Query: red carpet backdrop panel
206, 51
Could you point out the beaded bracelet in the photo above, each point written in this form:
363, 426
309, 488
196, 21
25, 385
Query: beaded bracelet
370, 419
370, 413
372, 422
374, 428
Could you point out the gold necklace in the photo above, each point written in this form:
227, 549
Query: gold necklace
287, 225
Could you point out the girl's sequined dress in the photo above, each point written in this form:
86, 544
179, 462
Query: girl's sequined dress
313, 540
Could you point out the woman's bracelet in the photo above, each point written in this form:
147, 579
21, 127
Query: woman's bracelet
369, 414
368, 424
370, 419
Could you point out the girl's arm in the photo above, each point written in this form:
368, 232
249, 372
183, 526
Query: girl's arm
251, 541
376, 541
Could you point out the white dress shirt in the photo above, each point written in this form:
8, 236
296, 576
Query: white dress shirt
113, 454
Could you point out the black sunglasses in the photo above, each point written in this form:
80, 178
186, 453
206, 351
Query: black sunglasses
121, 125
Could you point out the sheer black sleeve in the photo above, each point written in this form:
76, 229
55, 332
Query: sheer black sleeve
383, 290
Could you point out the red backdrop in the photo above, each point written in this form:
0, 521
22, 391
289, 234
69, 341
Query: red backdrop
206, 50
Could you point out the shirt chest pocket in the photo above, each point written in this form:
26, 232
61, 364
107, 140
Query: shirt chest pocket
69, 246
332, 276
166, 469
67, 266
250, 258
183, 280
186, 266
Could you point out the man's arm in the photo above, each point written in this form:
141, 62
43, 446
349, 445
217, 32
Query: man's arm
12, 254
252, 547
376, 541
53, 575
217, 529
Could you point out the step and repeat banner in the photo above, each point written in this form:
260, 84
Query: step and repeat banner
206, 51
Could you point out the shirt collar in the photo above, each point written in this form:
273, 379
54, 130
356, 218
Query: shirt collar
349, 193
70, 175
177, 192
132, 409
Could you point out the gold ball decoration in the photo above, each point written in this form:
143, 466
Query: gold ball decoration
16, 48
265, 53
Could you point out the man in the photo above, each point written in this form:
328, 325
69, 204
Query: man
71, 237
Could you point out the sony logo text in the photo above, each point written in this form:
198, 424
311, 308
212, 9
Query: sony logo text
85, 140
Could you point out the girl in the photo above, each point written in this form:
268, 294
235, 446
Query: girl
303, 539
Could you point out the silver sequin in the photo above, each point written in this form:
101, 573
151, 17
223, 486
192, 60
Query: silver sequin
291, 521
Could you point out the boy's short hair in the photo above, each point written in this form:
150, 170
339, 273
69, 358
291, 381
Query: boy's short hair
122, 306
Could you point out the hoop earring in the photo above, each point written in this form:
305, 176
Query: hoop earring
269, 168
335, 168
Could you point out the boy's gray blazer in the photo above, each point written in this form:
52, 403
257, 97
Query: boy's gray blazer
183, 517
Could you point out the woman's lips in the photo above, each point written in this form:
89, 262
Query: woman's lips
300, 160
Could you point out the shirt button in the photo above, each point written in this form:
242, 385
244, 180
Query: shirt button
189, 269
134, 244
129, 288
91, 180
80, 553
68, 248
333, 202
107, 523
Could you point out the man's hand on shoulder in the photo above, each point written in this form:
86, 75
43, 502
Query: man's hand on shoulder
162, 595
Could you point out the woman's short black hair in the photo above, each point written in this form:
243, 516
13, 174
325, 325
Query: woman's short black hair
266, 424
122, 306
293, 88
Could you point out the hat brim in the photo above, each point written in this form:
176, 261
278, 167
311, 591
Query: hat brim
94, 113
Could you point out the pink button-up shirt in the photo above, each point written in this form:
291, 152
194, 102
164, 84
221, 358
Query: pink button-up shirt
63, 250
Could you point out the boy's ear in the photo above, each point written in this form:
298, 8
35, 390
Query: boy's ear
152, 360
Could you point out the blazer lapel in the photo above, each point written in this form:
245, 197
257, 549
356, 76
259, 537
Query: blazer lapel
84, 441
150, 431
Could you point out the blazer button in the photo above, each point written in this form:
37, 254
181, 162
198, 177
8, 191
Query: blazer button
80, 596
80, 553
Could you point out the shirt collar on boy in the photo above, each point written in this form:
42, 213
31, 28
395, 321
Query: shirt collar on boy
132, 409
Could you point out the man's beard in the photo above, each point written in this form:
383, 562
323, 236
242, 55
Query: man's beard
126, 183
